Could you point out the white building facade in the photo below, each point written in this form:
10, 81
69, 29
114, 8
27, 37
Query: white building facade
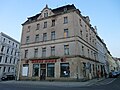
9, 55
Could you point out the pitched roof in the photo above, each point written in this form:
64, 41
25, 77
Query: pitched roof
55, 11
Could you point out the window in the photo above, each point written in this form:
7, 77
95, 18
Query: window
12, 51
2, 49
4, 40
81, 33
27, 39
50, 70
65, 33
28, 28
52, 51
37, 38
6, 59
65, 70
66, 49
25, 69
35, 69
46, 14
88, 53
14, 61
45, 24
80, 22
53, 35
53, 22
83, 50
44, 36
65, 20
9, 69
43, 52
10, 59
0, 59
26, 54
8, 50
4, 69
38, 26
36, 52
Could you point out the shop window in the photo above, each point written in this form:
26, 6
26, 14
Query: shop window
65, 70
25, 69
50, 70
35, 69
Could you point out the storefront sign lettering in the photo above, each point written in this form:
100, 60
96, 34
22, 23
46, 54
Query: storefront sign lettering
44, 61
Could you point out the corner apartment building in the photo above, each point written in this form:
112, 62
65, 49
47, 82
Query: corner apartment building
9, 56
58, 44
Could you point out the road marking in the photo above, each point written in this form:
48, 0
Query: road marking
105, 83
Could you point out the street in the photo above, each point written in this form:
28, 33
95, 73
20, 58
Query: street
107, 84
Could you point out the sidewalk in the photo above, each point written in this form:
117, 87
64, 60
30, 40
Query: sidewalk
56, 83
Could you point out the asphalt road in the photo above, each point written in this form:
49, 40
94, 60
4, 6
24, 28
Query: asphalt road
108, 84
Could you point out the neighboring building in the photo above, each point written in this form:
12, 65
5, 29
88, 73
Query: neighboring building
102, 56
112, 66
59, 44
9, 57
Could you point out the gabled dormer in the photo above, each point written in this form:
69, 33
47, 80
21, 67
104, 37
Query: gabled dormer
46, 12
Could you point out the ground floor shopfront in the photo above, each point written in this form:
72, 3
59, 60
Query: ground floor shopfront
75, 68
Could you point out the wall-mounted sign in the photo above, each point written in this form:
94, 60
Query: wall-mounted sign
44, 61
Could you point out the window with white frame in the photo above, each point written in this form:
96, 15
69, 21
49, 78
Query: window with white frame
44, 52
53, 35
53, 51
45, 24
37, 38
66, 49
26, 54
27, 39
44, 36
36, 52
65, 33
65, 20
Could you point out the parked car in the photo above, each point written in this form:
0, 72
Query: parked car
113, 74
8, 77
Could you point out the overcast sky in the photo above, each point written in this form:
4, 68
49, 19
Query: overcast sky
105, 14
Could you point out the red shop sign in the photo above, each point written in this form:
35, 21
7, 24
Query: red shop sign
44, 61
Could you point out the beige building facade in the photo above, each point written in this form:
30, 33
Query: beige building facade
58, 44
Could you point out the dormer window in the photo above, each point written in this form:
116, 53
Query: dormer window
65, 9
46, 14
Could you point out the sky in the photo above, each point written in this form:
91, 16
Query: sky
105, 14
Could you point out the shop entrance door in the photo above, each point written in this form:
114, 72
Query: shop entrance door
42, 71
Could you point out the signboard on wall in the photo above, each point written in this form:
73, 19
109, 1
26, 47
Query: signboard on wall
44, 61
